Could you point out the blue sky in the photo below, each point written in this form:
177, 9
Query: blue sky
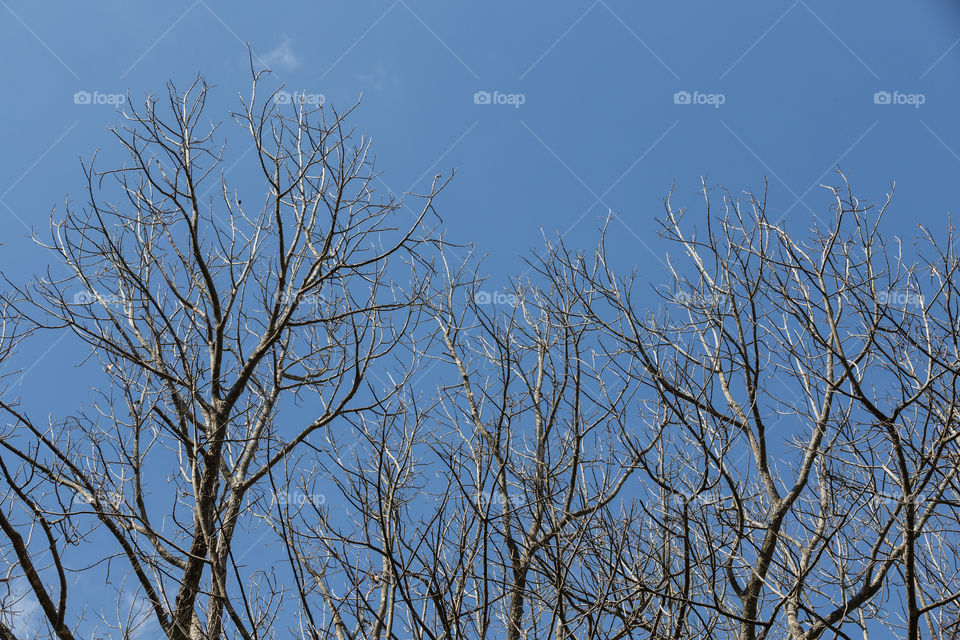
585, 116
594, 106
598, 128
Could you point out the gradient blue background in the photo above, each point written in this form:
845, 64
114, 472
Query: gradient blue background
598, 129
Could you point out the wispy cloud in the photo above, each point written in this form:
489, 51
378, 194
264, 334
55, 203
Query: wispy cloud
282, 56
22, 613
378, 80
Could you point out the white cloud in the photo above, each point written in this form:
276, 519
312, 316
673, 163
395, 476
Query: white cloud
378, 80
281, 57
21, 611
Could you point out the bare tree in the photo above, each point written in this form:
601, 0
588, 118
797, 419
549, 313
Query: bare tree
212, 320
495, 507
768, 449
806, 392
771, 452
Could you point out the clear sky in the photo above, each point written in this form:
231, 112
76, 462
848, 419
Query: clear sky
552, 113
584, 114
598, 127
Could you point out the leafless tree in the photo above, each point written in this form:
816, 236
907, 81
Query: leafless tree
319, 422
806, 392
769, 450
495, 507
230, 335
